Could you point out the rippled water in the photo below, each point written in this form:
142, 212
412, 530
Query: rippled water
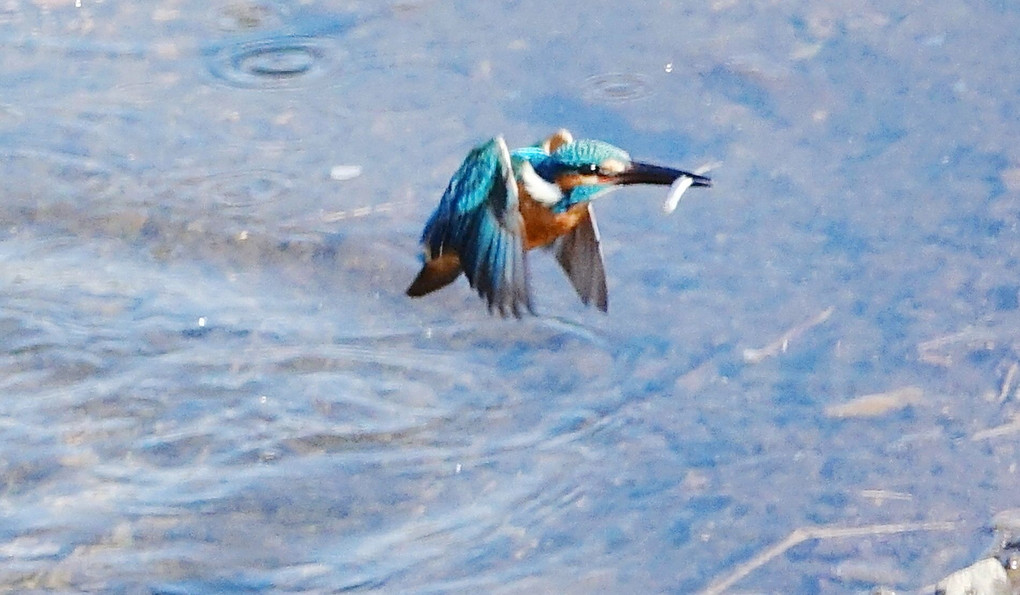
213, 381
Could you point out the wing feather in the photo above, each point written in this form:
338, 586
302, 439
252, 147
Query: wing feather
580, 254
478, 218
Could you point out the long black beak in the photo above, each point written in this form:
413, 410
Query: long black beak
646, 173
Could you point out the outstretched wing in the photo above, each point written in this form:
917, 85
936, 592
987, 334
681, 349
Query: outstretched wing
580, 254
478, 219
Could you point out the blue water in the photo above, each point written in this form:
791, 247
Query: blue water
212, 380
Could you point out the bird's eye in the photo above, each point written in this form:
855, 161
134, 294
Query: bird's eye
589, 169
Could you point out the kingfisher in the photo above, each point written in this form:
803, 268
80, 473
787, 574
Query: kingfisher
500, 204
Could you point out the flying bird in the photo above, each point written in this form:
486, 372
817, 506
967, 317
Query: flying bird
500, 204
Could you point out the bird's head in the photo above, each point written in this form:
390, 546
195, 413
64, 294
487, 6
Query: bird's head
562, 172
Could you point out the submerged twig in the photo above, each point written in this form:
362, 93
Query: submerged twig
754, 356
1007, 382
939, 351
1012, 427
364, 211
803, 534
876, 404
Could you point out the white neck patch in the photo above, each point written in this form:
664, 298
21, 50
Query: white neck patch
537, 187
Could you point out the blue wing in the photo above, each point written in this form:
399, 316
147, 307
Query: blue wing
478, 220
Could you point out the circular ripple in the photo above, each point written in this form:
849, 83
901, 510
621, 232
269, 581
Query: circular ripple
617, 88
57, 173
245, 189
242, 189
273, 63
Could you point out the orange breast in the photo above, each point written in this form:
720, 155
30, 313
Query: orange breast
542, 226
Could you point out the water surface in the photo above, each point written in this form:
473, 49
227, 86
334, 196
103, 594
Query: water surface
213, 381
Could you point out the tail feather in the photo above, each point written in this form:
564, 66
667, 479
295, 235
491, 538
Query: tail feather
435, 274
